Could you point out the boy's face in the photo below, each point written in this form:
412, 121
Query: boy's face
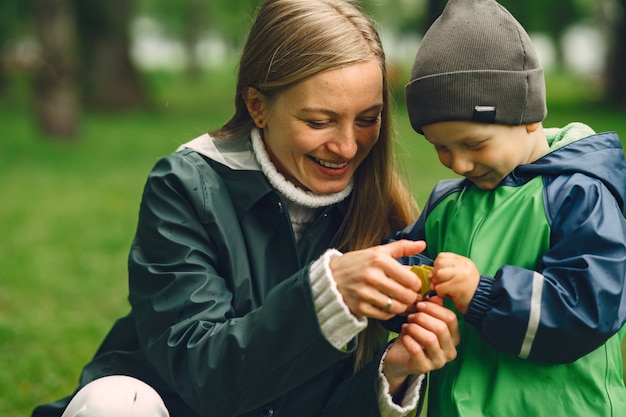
485, 153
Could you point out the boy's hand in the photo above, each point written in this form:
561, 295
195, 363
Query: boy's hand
455, 276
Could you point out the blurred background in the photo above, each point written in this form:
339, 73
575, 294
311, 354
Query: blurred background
92, 93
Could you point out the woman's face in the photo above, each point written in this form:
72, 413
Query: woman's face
319, 131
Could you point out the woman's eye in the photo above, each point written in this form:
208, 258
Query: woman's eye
316, 124
369, 121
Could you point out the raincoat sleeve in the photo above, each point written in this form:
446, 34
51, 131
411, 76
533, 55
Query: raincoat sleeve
219, 363
357, 395
577, 300
184, 298
330, 312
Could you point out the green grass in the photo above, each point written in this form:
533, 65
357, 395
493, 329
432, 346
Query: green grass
69, 210
67, 217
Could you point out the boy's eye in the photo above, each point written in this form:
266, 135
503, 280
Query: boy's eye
474, 145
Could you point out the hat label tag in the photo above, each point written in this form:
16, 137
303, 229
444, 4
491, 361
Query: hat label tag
484, 114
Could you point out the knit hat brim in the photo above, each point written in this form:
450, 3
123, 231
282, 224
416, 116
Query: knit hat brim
436, 98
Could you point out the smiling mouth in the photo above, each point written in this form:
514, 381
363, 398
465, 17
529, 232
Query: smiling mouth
332, 165
476, 177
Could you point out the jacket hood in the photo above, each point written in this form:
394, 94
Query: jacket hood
576, 148
236, 154
250, 154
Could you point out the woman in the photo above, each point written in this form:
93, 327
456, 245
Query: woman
240, 304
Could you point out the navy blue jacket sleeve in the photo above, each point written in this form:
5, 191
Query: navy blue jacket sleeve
577, 300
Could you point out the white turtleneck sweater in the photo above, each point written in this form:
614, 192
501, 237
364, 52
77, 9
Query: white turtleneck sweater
302, 205
337, 323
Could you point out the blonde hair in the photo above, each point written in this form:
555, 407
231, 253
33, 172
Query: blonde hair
292, 40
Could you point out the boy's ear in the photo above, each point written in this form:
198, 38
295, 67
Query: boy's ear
255, 103
532, 127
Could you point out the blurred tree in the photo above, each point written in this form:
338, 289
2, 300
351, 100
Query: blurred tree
233, 19
12, 21
550, 17
191, 21
398, 16
433, 10
56, 92
110, 79
184, 20
195, 16
616, 63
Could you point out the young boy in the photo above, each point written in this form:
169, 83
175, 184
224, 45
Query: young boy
530, 245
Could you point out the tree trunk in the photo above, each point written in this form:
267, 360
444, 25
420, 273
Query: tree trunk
616, 82
434, 8
56, 92
111, 80
195, 18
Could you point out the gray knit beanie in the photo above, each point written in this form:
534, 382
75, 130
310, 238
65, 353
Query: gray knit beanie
476, 63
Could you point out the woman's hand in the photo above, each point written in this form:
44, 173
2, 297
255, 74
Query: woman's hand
426, 342
373, 283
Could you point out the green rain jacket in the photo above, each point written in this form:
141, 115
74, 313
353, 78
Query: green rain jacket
223, 321
541, 337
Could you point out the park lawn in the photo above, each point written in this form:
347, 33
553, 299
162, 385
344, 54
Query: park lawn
69, 211
67, 218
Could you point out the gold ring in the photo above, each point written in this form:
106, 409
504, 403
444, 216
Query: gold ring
388, 305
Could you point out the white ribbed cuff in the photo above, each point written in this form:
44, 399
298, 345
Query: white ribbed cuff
411, 396
338, 324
